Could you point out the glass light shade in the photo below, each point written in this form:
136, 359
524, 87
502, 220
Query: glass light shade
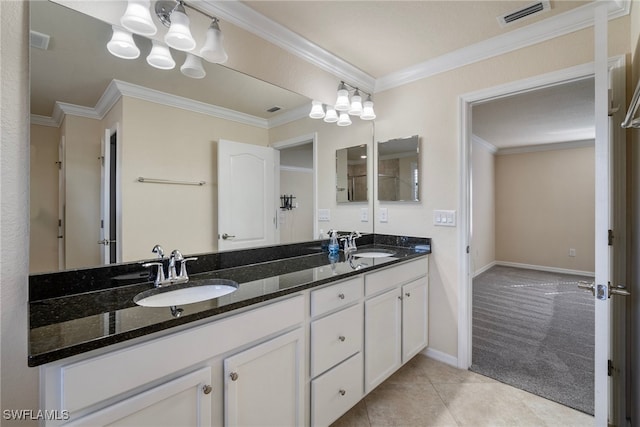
179, 35
122, 44
342, 102
160, 56
367, 110
344, 119
192, 67
137, 18
213, 49
356, 104
331, 116
317, 112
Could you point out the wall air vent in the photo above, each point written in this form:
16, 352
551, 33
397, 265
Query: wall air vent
525, 12
39, 40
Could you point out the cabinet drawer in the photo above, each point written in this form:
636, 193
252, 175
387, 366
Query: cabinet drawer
335, 392
336, 296
379, 281
336, 337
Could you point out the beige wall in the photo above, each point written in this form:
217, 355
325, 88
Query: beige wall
483, 199
18, 383
545, 204
170, 143
430, 108
43, 200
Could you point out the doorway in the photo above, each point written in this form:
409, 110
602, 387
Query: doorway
467, 229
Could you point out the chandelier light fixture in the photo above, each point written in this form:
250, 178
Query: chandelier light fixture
344, 107
137, 20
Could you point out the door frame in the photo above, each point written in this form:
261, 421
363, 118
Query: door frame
301, 140
105, 187
466, 101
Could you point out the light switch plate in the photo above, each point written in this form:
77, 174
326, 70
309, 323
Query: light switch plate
324, 215
444, 218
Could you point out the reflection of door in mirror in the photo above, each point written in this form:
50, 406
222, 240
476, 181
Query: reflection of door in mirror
351, 174
295, 222
399, 169
247, 214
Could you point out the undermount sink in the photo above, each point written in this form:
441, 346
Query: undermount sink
196, 291
372, 253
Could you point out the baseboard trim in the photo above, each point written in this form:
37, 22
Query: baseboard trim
440, 356
483, 269
545, 268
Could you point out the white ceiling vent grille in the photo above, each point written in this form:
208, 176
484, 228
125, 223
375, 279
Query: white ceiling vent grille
525, 12
39, 40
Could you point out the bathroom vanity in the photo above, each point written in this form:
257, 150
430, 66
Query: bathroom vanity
300, 342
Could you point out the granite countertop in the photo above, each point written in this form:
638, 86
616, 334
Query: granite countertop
63, 325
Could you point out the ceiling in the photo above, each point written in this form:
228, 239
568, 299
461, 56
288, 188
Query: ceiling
377, 37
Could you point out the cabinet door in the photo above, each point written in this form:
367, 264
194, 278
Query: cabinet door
382, 337
185, 401
263, 384
414, 318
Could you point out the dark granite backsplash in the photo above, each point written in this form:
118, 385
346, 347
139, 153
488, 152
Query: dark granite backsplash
69, 282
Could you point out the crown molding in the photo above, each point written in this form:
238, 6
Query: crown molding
546, 147
485, 144
555, 26
117, 88
243, 16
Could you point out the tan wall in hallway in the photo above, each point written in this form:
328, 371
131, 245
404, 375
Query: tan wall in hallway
545, 204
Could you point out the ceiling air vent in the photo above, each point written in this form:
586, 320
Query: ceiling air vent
274, 109
39, 40
525, 12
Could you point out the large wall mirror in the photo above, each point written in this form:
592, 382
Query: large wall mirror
352, 178
91, 109
399, 169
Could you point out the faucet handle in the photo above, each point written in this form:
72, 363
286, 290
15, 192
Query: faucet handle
157, 249
183, 267
159, 275
177, 255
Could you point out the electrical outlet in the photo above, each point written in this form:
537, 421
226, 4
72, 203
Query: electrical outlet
364, 214
572, 252
384, 215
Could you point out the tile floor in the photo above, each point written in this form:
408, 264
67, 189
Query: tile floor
426, 392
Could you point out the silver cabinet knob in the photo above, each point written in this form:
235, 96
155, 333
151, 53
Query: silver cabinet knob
342, 392
341, 296
207, 389
234, 376
342, 338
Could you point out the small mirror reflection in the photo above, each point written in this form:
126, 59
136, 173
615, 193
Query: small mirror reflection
351, 174
399, 169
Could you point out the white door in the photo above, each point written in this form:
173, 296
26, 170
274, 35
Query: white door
246, 195
105, 154
608, 400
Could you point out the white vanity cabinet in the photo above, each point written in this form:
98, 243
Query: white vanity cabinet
337, 334
263, 385
152, 382
395, 322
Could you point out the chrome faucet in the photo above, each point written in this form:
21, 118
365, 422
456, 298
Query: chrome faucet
350, 242
172, 276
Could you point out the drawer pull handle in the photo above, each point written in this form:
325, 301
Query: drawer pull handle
234, 376
207, 389
408, 294
342, 338
342, 392
341, 296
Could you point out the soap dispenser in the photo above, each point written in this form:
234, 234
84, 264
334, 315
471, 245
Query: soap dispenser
334, 246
